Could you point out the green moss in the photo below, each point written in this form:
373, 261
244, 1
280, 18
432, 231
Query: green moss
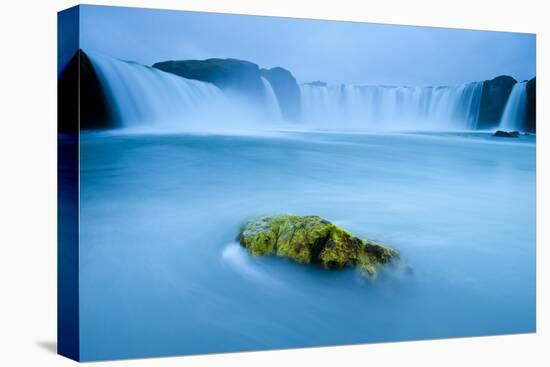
312, 239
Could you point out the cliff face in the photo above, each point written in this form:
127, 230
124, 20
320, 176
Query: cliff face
87, 97
530, 120
241, 77
230, 75
494, 96
67, 97
233, 76
287, 91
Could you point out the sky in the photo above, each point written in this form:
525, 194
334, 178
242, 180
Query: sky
332, 51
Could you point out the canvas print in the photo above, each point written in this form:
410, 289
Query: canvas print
235, 183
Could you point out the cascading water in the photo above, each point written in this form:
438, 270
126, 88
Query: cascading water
272, 104
513, 117
140, 95
383, 107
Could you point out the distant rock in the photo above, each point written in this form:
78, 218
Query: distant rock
314, 240
287, 91
317, 83
530, 123
506, 134
80, 97
494, 96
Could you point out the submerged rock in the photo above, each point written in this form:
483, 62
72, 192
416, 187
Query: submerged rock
314, 240
506, 134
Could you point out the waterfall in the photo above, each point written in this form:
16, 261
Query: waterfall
513, 117
141, 96
272, 104
385, 107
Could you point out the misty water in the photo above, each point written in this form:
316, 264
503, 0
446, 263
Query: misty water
161, 273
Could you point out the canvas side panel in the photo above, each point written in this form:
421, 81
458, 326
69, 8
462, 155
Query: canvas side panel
68, 341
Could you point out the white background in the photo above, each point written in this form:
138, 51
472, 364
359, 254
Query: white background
28, 183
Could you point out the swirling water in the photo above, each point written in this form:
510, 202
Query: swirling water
161, 273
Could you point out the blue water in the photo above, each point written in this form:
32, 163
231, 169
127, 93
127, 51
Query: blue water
161, 273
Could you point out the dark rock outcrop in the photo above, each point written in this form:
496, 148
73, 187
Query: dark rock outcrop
494, 96
91, 103
314, 240
287, 91
317, 83
67, 97
242, 78
230, 75
506, 134
531, 115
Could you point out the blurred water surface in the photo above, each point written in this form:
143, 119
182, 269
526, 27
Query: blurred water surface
161, 273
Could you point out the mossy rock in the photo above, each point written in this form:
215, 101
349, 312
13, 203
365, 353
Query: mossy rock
314, 240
